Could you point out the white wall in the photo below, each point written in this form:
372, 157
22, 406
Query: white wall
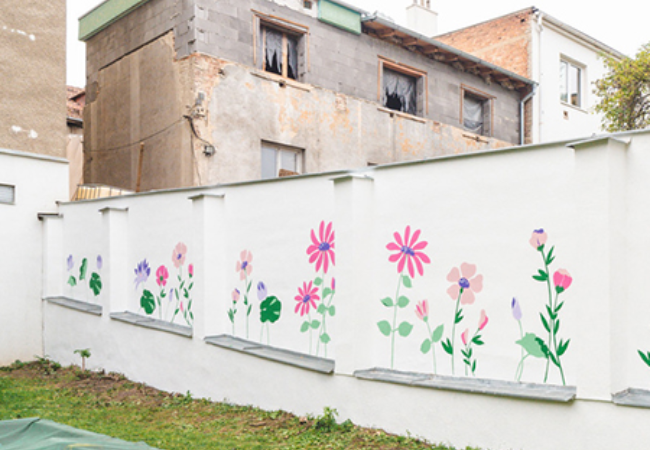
39, 182
590, 198
556, 120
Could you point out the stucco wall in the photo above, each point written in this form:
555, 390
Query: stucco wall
473, 212
32, 113
38, 182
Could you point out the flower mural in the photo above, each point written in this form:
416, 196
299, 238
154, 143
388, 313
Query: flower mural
409, 256
306, 298
162, 275
244, 267
470, 341
321, 253
466, 284
552, 348
142, 272
270, 311
429, 344
183, 293
94, 281
178, 255
232, 312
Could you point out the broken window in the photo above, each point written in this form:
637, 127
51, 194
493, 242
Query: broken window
280, 52
399, 92
280, 161
570, 83
477, 117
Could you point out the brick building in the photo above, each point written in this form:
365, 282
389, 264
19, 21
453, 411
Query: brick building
202, 92
564, 61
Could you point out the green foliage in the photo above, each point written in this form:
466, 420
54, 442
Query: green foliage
83, 269
534, 346
148, 302
95, 283
270, 309
384, 327
83, 352
327, 422
72, 281
625, 92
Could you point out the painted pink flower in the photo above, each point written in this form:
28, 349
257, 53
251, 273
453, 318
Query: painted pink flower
190, 270
538, 238
562, 280
178, 256
483, 320
464, 336
235, 295
244, 266
306, 298
422, 310
162, 274
464, 285
181, 306
409, 251
322, 249
333, 284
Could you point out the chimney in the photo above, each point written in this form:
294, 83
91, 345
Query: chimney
421, 18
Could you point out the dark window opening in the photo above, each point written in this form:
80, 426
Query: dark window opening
280, 53
476, 114
399, 92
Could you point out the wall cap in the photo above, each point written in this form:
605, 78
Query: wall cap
289, 357
77, 305
632, 397
532, 391
205, 195
154, 324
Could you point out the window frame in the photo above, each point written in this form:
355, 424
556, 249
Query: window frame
299, 31
581, 82
300, 163
487, 100
421, 85
13, 194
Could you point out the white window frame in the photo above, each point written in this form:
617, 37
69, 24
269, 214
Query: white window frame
12, 190
569, 63
279, 149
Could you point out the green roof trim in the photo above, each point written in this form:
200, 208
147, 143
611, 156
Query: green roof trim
339, 16
105, 14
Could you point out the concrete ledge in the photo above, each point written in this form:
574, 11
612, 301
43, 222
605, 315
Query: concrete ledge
77, 305
632, 397
289, 357
154, 324
498, 388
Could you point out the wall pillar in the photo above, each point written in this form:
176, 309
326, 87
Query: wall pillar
53, 257
116, 270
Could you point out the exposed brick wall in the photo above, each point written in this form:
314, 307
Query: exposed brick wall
504, 41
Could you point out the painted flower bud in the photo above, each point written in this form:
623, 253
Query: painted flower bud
235, 295
538, 239
483, 320
562, 280
422, 310
464, 336
261, 291
516, 309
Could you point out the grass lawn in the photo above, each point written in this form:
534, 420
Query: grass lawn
110, 404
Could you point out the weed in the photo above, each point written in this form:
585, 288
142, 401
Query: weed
327, 422
84, 353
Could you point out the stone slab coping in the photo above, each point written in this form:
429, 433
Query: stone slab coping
78, 305
322, 365
150, 322
632, 397
533, 391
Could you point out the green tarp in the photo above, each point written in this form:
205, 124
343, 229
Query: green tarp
37, 434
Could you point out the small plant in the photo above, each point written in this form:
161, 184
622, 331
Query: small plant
84, 353
327, 422
45, 364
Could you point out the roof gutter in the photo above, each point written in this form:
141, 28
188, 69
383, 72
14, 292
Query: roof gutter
375, 18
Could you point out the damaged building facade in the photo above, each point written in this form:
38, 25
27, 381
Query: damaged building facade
196, 92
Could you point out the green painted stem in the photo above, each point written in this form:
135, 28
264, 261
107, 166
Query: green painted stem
453, 333
557, 357
520, 367
310, 330
246, 302
392, 335
322, 325
550, 303
433, 348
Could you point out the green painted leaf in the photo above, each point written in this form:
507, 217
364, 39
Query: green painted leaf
95, 283
553, 359
72, 281
387, 302
557, 326
402, 302
231, 315
477, 340
190, 286
550, 312
426, 346
322, 309
181, 286
446, 345
248, 311
384, 327
404, 329
270, 309
459, 316
465, 353
550, 257
538, 278
318, 281
437, 333
326, 292
533, 345
474, 366
163, 294
248, 288
559, 307
406, 281
466, 361
544, 322
645, 357
83, 269
325, 338
332, 310
148, 302
315, 324
562, 348
304, 327
176, 293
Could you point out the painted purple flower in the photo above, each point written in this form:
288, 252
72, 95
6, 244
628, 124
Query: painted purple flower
333, 284
100, 262
538, 239
70, 262
516, 309
408, 251
142, 272
261, 291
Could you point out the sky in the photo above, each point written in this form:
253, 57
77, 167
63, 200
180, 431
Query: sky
623, 28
